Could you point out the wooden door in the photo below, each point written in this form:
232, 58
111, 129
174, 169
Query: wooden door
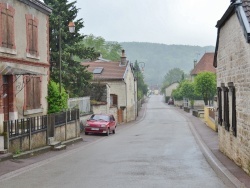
120, 115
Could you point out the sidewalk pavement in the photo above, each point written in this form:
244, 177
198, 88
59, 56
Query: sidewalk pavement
207, 139
231, 174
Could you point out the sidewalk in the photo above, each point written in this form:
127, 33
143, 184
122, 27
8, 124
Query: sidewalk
207, 139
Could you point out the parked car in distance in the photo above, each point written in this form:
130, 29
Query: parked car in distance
170, 101
100, 123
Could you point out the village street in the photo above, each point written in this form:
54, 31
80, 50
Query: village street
158, 151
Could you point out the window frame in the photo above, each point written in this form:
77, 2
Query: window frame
10, 38
31, 89
219, 102
32, 25
112, 97
226, 108
233, 111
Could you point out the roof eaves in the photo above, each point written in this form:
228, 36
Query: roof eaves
241, 14
229, 12
42, 7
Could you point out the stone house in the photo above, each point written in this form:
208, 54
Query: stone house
24, 59
205, 64
120, 82
232, 62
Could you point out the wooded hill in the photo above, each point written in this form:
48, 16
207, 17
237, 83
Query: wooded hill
160, 58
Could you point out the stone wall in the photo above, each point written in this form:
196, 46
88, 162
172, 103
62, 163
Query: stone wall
233, 65
24, 143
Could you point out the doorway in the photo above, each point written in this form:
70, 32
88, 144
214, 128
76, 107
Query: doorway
5, 97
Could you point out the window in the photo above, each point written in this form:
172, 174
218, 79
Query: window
7, 26
32, 35
226, 108
219, 102
233, 110
113, 100
98, 70
33, 92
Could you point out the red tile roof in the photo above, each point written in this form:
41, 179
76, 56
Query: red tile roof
111, 70
205, 64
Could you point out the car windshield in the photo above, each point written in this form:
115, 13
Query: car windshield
100, 117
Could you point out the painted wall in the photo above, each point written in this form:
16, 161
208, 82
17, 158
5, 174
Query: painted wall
21, 60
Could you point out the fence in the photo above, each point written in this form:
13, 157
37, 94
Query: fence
30, 133
83, 104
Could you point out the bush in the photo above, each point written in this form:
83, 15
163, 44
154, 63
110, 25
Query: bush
167, 98
57, 102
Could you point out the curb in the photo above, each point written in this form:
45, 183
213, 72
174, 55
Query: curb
45, 149
226, 176
32, 153
72, 141
222, 172
4, 157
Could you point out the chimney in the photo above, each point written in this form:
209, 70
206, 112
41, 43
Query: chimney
123, 58
195, 62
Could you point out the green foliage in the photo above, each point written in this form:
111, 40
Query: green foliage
57, 102
205, 85
97, 92
174, 75
142, 87
167, 98
74, 76
177, 95
186, 89
108, 50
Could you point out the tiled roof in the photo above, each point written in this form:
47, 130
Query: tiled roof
111, 70
205, 64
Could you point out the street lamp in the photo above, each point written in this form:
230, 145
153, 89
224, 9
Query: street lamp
71, 30
137, 75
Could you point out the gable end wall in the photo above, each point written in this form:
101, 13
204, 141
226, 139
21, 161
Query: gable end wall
233, 65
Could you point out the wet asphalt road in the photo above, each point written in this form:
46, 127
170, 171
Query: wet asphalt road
159, 151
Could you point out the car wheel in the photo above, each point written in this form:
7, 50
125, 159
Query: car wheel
86, 133
113, 131
107, 134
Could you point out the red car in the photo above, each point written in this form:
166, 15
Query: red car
100, 123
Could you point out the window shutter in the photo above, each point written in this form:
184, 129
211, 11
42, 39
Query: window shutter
30, 36
35, 38
29, 92
10, 31
37, 92
219, 106
4, 27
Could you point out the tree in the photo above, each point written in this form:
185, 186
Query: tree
205, 85
142, 87
57, 101
108, 50
74, 76
174, 75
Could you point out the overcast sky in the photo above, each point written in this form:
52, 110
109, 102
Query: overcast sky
187, 22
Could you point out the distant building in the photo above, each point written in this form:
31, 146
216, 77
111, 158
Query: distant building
204, 65
121, 86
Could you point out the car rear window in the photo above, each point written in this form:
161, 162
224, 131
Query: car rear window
100, 117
